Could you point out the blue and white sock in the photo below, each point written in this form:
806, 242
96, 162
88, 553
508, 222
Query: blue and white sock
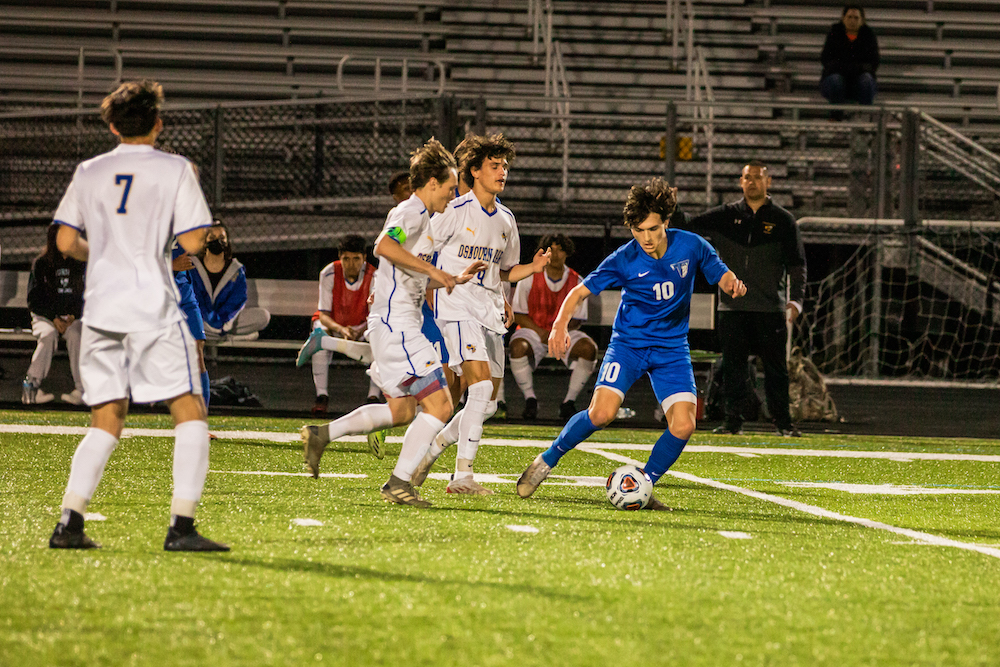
206, 389
665, 452
577, 429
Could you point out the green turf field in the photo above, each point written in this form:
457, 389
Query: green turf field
762, 562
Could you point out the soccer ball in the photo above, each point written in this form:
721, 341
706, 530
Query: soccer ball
629, 488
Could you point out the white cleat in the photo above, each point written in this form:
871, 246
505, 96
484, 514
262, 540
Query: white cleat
532, 477
468, 486
430, 458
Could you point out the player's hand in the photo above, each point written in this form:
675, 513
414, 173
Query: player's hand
508, 314
737, 288
371, 299
558, 341
446, 280
470, 272
541, 260
60, 325
182, 263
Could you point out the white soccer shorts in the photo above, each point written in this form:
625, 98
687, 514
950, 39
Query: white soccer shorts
540, 348
399, 357
471, 341
152, 365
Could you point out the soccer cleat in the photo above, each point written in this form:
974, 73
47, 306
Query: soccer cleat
790, 431
728, 429
532, 477
402, 492
312, 345
376, 442
74, 397
656, 505
312, 448
433, 453
567, 410
322, 403
467, 486
62, 538
32, 395
190, 542
530, 408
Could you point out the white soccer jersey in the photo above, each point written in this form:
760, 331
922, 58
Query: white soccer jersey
399, 293
132, 202
523, 288
465, 232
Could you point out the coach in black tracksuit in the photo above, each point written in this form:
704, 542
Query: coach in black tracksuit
760, 241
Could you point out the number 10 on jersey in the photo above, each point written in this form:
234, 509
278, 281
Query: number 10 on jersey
663, 291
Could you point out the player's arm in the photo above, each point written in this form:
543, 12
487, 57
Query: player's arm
70, 243
559, 336
392, 250
193, 241
522, 271
524, 320
732, 285
331, 325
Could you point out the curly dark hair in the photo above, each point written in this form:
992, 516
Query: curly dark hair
133, 108
561, 240
352, 243
476, 148
398, 179
653, 196
432, 160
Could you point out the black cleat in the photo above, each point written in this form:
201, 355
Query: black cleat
322, 403
530, 408
728, 429
190, 542
70, 539
566, 411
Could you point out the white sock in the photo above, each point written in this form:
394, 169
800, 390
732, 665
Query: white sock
321, 373
373, 390
470, 429
521, 369
582, 370
450, 432
355, 349
363, 420
190, 466
417, 439
85, 473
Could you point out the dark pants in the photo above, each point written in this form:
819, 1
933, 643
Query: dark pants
763, 334
837, 88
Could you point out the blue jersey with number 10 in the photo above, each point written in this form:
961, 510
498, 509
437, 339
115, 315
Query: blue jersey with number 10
656, 293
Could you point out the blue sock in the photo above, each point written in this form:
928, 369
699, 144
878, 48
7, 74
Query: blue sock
206, 392
665, 452
577, 429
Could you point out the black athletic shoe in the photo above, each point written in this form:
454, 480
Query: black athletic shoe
728, 429
530, 409
567, 410
70, 539
322, 403
190, 542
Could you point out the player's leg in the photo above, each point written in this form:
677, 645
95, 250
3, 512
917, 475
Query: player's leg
72, 336
103, 367
770, 335
366, 419
523, 361
621, 368
41, 361
581, 359
321, 380
320, 340
734, 339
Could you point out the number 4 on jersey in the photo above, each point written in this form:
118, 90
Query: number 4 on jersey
127, 178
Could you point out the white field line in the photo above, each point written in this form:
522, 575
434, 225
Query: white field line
280, 437
891, 489
926, 538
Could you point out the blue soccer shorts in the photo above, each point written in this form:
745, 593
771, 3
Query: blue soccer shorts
669, 369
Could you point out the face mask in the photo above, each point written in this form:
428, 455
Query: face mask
215, 246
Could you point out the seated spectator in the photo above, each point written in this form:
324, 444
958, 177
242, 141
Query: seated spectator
220, 285
55, 300
188, 303
536, 304
344, 286
850, 59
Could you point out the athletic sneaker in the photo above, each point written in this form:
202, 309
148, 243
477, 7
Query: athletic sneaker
530, 408
312, 345
190, 542
567, 410
433, 453
656, 505
532, 477
32, 395
74, 397
62, 538
402, 492
467, 486
322, 403
312, 448
376, 442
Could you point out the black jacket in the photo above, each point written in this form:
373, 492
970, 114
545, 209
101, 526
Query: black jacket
55, 288
849, 59
763, 249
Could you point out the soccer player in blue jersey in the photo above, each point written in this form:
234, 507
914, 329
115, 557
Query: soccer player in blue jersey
656, 272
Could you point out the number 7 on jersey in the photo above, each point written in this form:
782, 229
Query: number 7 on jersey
127, 178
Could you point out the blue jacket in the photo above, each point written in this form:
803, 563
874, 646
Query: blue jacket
220, 307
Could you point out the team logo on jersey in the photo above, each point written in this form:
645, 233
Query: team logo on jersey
470, 229
681, 268
428, 364
504, 235
768, 226
471, 348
